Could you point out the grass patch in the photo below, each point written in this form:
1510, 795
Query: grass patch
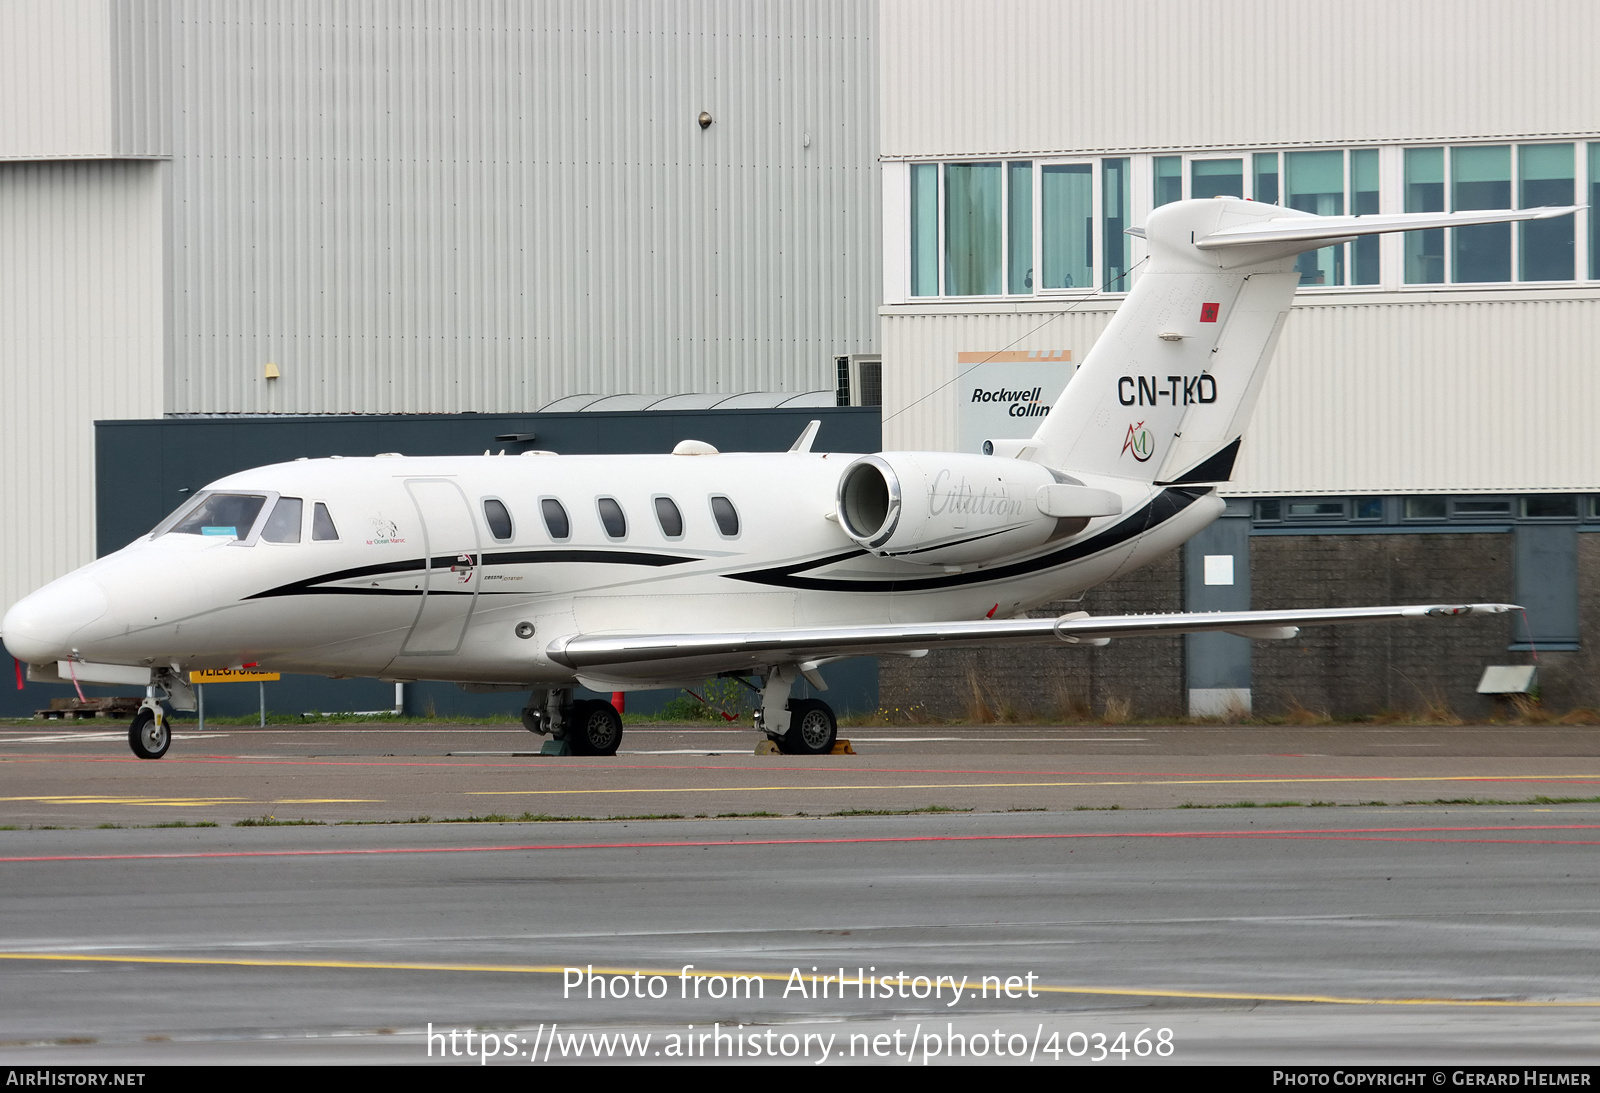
194, 823
743, 815
897, 811
271, 821
107, 827
1100, 808
506, 818
1539, 800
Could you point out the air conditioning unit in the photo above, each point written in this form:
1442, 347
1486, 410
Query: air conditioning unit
860, 380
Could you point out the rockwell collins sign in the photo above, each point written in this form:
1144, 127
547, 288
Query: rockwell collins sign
1004, 395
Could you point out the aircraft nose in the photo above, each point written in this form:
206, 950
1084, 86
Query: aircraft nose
39, 628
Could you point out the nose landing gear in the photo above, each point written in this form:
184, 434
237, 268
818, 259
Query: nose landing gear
150, 734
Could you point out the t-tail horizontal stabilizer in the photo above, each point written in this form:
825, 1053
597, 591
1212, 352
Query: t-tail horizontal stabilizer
1168, 389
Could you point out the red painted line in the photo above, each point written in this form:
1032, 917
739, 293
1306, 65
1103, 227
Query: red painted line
1354, 833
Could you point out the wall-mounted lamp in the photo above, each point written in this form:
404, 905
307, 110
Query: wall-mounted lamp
271, 371
705, 120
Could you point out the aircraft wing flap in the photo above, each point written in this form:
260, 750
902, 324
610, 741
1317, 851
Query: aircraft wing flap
595, 650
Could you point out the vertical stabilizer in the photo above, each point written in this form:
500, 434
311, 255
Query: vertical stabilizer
1166, 393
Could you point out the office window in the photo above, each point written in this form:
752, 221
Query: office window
972, 229
1115, 189
1426, 508
925, 229
1594, 210
1545, 247
1368, 508
1364, 202
1269, 510
1480, 178
1169, 180
1550, 506
1481, 506
1315, 184
1019, 228
1066, 212
1216, 178
1424, 193
1266, 172
1316, 510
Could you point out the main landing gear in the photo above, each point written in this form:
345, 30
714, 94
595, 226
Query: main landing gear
799, 726
584, 726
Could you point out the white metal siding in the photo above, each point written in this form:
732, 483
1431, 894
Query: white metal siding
81, 338
426, 206
55, 79
975, 77
1471, 392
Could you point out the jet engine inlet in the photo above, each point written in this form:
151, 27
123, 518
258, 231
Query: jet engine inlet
869, 501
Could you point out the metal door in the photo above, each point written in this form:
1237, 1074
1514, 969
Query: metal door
450, 585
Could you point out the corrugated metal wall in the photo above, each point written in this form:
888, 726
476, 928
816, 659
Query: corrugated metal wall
1484, 393
427, 206
964, 77
83, 79
81, 337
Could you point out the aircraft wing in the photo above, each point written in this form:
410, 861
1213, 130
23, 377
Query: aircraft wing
589, 651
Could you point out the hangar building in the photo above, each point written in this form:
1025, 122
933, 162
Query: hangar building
1425, 432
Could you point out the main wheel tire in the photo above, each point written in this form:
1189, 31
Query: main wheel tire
596, 728
533, 720
148, 737
812, 728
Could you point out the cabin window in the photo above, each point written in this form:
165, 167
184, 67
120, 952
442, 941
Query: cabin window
726, 516
283, 526
322, 529
555, 519
668, 516
612, 518
498, 518
230, 514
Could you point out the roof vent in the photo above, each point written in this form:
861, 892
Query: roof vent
693, 447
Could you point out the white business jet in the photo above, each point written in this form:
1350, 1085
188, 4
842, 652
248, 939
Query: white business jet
542, 572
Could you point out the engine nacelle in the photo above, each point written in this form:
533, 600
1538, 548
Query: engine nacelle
941, 508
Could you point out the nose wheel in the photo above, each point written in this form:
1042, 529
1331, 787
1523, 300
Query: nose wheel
149, 734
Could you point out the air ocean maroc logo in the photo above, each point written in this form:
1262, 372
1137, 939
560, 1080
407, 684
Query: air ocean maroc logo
1139, 442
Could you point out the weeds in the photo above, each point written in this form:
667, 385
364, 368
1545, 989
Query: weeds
897, 811
273, 821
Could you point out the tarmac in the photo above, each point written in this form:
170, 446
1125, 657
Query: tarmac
1208, 894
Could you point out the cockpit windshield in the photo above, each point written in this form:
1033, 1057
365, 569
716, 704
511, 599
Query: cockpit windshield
228, 514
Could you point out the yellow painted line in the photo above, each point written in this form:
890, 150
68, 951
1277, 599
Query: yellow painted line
180, 802
328, 801
1047, 785
781, 977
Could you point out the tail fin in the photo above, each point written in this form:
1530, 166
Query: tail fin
1167, 391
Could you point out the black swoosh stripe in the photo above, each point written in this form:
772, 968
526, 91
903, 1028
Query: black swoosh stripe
1163, 507
312, 585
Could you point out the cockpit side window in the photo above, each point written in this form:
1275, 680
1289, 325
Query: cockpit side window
283, 526
230, 514
322, 529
